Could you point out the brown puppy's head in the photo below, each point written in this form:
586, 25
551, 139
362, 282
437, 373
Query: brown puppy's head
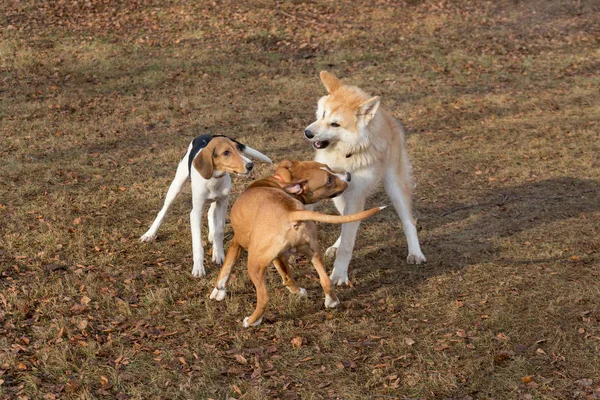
310, 181
224, 155
342, 116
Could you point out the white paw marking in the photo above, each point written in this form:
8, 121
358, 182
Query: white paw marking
198, 270
147, 237
339, 279
218, 257
416, 258
302, 292
330, 303
218, 294
248, 325
331, 251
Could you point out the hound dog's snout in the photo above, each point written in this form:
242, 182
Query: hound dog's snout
249, 166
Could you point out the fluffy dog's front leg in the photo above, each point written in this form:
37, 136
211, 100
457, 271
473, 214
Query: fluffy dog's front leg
339, 275
197, 249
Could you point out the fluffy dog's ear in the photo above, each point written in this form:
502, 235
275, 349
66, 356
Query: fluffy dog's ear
283, 170
330, 81
368, 109
204, 163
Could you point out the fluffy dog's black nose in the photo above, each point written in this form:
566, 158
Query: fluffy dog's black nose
249, 166
309, 134
348, 177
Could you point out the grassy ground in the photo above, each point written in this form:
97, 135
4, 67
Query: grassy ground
501, 101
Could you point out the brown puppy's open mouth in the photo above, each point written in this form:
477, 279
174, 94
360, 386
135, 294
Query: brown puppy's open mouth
320, 145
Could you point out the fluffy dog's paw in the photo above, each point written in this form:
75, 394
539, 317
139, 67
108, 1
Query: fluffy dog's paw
331, 251
339, 279
148, 237
217, 257
416, 258
248, 325
198, 270
331, 302
218, 294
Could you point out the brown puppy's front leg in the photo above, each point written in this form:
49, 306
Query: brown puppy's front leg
257, 271
233, 254
283, 268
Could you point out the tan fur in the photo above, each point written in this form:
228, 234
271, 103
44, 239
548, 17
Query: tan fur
369, 143
269, 223
221, 154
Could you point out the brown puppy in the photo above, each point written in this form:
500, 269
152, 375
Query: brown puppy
270, 223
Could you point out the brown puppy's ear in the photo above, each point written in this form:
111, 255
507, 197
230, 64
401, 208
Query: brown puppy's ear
368, 109
283, 170
296, 188
330, 81
204, 163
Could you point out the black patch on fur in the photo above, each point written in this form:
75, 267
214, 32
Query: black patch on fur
197, 144
201, 142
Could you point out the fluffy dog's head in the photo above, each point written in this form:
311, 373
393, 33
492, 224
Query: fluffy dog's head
342, 116
311, 181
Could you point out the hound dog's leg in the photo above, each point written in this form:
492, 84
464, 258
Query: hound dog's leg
397, 186
216, 229
353, 202
233, 254
284, 270
180, 177
198, 200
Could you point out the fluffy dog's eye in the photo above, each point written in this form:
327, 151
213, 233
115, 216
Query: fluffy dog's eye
334, 124
226, 153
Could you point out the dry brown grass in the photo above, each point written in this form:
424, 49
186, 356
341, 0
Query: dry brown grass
99, 100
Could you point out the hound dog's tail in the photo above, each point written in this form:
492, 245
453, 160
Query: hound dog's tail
306, 215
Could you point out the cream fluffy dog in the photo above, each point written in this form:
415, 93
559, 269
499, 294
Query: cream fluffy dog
353, 133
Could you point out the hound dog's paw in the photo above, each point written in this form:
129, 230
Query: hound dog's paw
331, 251
338, 278
248, 325
217, 257
331, 302
218, 294
198, 270
416, 258
148, 237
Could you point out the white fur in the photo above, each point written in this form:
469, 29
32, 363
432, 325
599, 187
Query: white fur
330, 303
247, 325
214, 191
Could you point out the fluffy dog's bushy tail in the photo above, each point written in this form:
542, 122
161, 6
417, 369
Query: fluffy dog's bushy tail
306, 215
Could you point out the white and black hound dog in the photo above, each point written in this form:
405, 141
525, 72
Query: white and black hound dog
208, 162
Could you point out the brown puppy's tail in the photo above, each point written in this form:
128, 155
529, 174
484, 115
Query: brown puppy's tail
306, 215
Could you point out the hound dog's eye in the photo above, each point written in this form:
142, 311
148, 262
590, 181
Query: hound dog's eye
329, 180
226, 153
334, 124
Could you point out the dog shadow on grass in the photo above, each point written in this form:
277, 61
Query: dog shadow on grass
472, 232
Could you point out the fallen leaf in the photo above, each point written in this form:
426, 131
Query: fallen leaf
21, 366
77, 221
241, 359
85, 300
103, 380
540, 351
296, 342
409, 341
526, 379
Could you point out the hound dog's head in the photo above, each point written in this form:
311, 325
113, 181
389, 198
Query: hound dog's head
223, 154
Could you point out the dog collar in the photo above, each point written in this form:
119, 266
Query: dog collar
219, 176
